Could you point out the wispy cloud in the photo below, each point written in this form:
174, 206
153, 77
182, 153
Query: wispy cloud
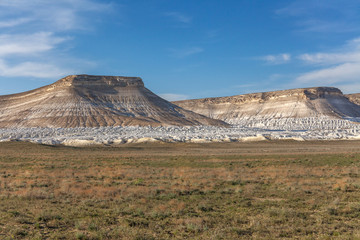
277, 59
33, 33
212, 33
330, 58
340, 67
173, 96
263, 85
185, 52
13, 22
350, 88
26, 44
349, 53
323, 16
61, 15
17, 47
32, 69
338, 74
179, 17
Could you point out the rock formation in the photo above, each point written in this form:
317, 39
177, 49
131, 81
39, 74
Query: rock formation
94, 101
295, 103
355, 98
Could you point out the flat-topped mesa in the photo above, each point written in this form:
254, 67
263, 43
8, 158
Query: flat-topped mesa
93, 80
298, 93
321, 92
303, 93
94, 101
292, 103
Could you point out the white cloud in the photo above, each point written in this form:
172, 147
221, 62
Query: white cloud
23, 44
331, 75
60, 15
32, 33
349, 53
32, 69
29, 46
276, 76
13, 22
185, 52
350, 88
277, 59
323, 16
179, 17
340, 67
173, 97
330, 58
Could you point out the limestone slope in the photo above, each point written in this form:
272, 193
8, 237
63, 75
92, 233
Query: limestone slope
295, 103
94, 101
355, 98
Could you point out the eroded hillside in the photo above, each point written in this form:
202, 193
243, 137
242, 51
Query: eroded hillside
295, 103
355, 98
93, 101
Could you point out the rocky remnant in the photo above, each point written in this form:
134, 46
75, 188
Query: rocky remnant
94, 101
291, 104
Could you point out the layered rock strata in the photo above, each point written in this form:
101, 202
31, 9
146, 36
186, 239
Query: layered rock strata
94, 101
287, 104
355, 98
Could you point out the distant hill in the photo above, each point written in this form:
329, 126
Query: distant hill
294, 103
355, 98
94, 101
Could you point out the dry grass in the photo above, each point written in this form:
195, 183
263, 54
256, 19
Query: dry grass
274, 190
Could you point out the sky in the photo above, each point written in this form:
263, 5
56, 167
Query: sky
183, 49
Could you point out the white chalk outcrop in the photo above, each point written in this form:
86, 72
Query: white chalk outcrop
323, 129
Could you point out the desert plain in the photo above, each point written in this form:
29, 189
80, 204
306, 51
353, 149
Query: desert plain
281, 189
147, 120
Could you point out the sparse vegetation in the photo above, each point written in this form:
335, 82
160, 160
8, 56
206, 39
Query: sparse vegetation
269, 190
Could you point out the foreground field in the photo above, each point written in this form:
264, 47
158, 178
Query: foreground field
268, 190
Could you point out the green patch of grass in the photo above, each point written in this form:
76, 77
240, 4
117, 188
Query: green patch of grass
275, 190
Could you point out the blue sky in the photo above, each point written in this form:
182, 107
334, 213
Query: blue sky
183, 49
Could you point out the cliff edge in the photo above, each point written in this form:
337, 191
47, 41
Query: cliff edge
293, 103
94, 101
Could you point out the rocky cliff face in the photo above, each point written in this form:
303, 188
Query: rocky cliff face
294, 103
355, 98
94, 101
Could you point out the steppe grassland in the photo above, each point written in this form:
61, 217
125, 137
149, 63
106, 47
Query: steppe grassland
268, 190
